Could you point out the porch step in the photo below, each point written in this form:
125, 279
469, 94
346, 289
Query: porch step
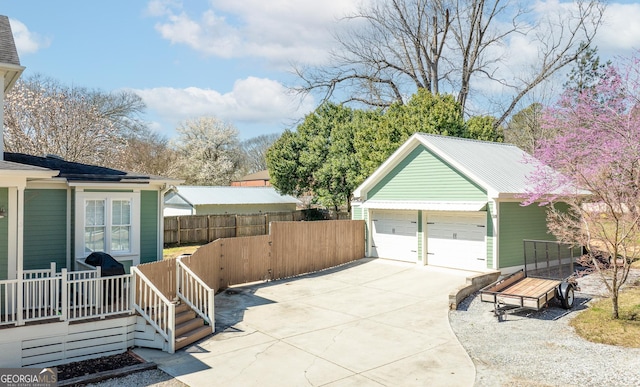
192, 336
184, 316
188, 326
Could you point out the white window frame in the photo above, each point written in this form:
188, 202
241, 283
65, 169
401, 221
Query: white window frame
134, 198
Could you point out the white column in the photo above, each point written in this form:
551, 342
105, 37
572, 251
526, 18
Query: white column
12, 233
20, 240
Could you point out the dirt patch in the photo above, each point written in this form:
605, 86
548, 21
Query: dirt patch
92, 366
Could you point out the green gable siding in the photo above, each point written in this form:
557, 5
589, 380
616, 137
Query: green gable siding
516, 224
4, 236
149, 226
424, 176
45, 228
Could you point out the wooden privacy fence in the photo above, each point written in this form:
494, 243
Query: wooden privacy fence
292, 248
207, 228
163, 275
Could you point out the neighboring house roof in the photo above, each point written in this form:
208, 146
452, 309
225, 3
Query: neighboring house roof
201, 195
9, 60
8, 52
261, 175
29, 171
72, 171
499, 168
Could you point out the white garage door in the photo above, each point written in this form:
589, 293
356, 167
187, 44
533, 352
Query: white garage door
457, 240
395, 235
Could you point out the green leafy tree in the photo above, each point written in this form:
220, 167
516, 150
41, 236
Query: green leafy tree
319, 158
484, 128
285, 170
587, 70
425, 112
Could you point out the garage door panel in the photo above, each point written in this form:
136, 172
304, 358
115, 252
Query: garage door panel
457, 240
395, 235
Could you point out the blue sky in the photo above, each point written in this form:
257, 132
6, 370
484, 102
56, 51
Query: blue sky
226, 58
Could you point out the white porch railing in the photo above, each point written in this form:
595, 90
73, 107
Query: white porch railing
195, 292
75, 295
8, 302
45, 294
40, 273
91, 296
154, 307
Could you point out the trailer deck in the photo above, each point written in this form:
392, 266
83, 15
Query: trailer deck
520, 291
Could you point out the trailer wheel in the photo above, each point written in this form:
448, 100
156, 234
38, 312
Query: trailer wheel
566, 295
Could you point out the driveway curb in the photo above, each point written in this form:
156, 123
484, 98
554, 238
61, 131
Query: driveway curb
474, 283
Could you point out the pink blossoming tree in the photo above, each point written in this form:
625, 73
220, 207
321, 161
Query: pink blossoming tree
597, 154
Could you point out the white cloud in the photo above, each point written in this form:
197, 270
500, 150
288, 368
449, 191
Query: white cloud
620, 32
281, 31
27, 42
252, 100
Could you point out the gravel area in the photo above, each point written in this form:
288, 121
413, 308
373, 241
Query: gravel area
540, 348
157, 378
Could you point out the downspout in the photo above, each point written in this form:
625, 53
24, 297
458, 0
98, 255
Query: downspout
161, 193
496, 236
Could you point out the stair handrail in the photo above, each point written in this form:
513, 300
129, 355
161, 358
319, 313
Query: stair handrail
189, 286
164, 319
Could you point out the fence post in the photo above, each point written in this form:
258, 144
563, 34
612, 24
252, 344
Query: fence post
133, 290
178, 272
211, 310
64, 302
178, 225
208, 228
53, 269
235, 217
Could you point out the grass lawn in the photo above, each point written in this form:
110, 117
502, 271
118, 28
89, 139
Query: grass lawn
175, 251
595, 324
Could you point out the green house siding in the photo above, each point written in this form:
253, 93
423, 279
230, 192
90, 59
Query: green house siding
4, 236
424, 176
490, 236
45, 228
516, 224
148, 226
356, 213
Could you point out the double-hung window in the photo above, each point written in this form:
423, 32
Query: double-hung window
107, 222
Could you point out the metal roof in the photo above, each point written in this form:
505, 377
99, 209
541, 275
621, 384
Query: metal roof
199, 195
496, 166
501, 169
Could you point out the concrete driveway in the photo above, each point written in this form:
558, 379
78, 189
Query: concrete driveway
373, 322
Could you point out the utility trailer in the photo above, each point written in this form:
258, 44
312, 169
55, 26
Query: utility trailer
547, 275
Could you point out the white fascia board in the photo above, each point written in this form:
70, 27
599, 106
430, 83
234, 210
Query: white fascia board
29, 174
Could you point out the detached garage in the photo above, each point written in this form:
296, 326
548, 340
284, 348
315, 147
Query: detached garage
450, 202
